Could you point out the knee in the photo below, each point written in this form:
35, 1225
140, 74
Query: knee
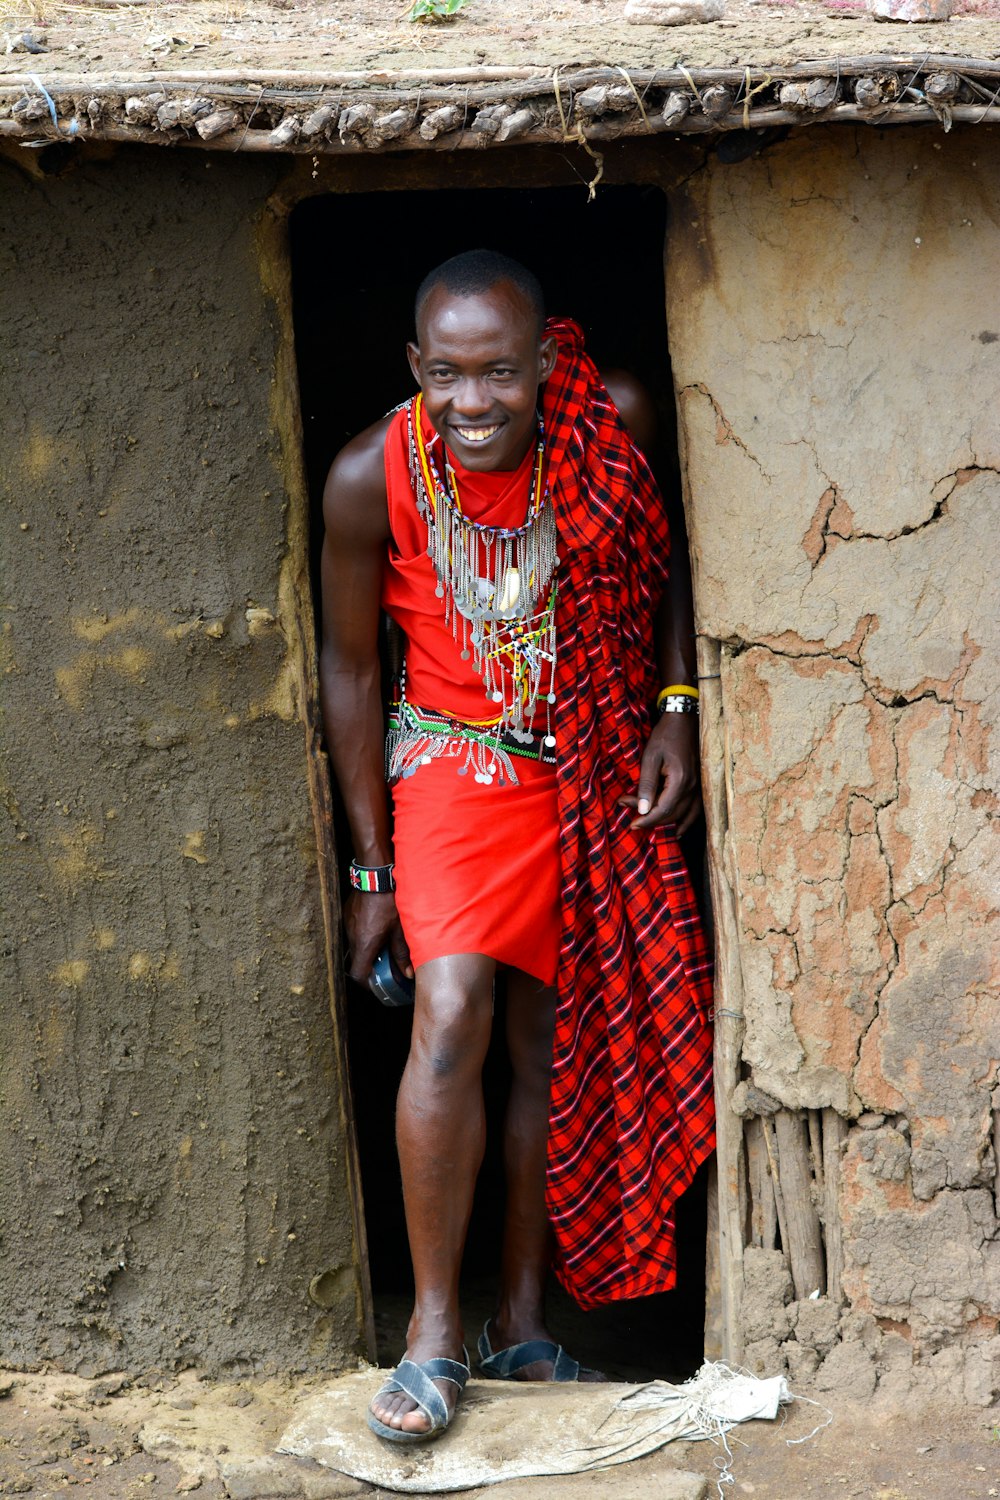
452, 1030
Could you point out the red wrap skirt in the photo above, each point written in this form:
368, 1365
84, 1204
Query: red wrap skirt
477, 867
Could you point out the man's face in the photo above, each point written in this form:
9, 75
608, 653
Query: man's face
479, 362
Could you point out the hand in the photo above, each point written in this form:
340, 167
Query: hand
372, 922
669, 788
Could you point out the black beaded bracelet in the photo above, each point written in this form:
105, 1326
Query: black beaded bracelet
373, 879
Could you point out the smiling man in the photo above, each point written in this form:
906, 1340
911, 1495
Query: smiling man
506, 518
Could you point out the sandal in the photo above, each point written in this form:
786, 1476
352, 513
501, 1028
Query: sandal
505, 1363
417, 1382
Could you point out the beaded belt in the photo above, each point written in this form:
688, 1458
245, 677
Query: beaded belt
419, 735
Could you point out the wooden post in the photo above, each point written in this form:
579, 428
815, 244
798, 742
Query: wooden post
834, 1136
298, 614
713, 1269
800, 1234
814, 1119
728, 1218
763, 1213
771, 1147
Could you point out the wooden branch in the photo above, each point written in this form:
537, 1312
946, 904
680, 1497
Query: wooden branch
676, 107
834, 1137
447, 127
219, 122
763, 1214
771, 1147
804, 1244
814, 1119
441, 122
714, 1335
732, 1190
541, 78
871, 62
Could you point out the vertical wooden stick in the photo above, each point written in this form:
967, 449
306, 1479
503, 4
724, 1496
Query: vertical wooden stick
815, 1121
804, 1245
763, 1214
297, 611
771, 1146
834, 1136
731, 1189
713, 1269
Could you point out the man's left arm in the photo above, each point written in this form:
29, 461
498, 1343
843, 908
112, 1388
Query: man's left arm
669, 788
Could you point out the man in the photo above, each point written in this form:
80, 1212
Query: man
525, 561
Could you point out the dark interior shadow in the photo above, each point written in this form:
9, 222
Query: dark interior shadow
357, 260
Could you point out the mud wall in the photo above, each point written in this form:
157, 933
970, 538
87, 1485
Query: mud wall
837, 355
173, 1173
174, 1164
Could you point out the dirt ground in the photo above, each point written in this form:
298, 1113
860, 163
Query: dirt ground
137, 1439
102, 38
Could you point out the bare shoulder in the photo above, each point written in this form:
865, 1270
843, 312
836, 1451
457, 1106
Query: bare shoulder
635, 405
354, 496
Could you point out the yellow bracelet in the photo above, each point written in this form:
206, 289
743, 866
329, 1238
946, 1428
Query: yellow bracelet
677, 688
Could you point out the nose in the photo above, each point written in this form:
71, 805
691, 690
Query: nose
472, 398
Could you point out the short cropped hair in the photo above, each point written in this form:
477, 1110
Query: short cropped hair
477, 271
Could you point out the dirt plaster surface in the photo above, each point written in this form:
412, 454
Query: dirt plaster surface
172, 1157
366, 35
842, 477
134, 1441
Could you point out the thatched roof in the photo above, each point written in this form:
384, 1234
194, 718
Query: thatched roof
284, 76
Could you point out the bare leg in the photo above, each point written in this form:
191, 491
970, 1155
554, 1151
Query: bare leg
527, 1245
440, 1132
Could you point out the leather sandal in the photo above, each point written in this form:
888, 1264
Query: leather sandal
417, 1382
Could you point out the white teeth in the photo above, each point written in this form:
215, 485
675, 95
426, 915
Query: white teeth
476, 434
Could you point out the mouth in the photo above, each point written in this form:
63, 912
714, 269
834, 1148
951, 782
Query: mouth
476, 434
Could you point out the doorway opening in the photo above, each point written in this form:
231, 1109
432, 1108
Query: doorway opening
357, 259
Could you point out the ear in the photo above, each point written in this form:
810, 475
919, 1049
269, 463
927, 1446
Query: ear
413, 355
548, 353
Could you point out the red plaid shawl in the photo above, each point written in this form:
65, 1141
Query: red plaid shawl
631, 1112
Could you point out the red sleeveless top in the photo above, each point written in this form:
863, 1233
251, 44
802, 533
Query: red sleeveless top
436, 675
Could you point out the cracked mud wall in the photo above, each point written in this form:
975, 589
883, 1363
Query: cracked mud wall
836, 346
173, 1168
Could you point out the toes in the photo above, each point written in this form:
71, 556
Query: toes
415, 1421
399, 1411
393, 1409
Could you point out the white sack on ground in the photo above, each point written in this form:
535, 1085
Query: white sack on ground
514, 1431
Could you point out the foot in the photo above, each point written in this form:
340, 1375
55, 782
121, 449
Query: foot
500, 1335
400, 1411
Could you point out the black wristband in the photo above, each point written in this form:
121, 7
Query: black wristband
373, 879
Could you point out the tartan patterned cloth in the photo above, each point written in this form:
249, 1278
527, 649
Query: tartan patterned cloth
631, 1114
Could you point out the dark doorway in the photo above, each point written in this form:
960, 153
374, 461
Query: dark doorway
356, 261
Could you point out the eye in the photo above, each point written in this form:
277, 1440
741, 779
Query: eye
503, 373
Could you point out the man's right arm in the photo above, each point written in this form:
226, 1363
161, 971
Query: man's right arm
355, 514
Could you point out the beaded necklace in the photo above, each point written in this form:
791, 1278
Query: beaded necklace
498, 584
